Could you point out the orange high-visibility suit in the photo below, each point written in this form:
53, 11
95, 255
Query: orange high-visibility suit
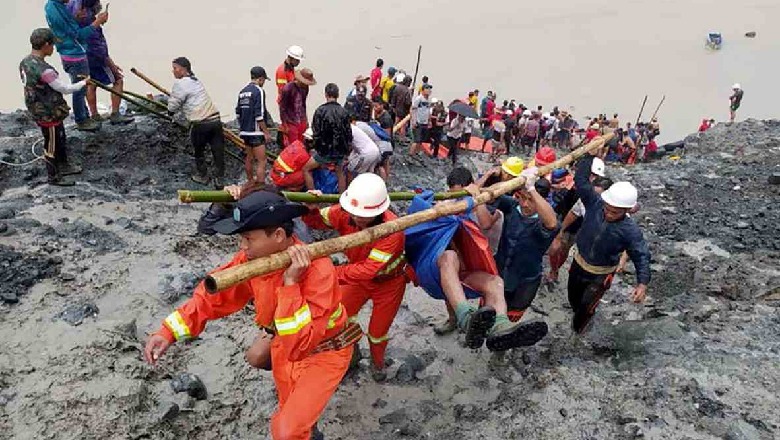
302, 315
376, 271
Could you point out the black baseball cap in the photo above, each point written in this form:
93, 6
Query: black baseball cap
427, 86
258, 72
261, 209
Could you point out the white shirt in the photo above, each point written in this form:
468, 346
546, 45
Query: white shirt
189, 96
362, 144
456, 128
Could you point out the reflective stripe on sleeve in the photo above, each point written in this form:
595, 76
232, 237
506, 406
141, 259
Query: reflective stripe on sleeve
284, 165
281, 81
379, 256
178, 327
293, 324
324, 214
335, 316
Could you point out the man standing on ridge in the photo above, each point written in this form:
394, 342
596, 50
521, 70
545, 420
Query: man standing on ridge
43, 90
285, 73
376, 271
376, 78
606, 232
292, 106
421, 119
189, 96
736, 100
71, 41
252, 114
101, 66
300, 306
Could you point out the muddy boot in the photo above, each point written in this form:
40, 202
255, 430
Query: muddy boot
68, 169
117, 119
378, 374
199, 177
476, 324
88, 125
446, 327
356, 357
505, 335
59, 180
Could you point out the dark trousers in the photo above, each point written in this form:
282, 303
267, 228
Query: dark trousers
55, 152
208, 133
452, 144
435, 134
520, 299
585, 292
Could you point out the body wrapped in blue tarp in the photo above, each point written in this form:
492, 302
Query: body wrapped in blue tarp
427, 241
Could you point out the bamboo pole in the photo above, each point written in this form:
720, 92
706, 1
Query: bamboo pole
130, 100
230, 277
149, 81
146, 99
416, 69
642, 109
655, 113
402, 122
189, 196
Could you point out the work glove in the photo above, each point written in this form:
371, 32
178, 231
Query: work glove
530, 178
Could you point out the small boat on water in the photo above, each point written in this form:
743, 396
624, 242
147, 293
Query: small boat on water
714, 40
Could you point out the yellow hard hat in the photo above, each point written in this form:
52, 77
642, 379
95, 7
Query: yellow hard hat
513, 166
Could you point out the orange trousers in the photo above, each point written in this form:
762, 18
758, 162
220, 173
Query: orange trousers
304, 388
386, 298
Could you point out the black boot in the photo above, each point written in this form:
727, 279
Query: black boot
66, 169
59, 180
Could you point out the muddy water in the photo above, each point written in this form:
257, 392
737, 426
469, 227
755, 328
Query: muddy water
592, 55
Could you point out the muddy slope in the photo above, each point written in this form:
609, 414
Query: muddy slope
89, 270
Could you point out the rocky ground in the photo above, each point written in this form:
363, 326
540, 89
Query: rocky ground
88, 271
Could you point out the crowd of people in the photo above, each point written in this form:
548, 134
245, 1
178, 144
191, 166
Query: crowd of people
307, 312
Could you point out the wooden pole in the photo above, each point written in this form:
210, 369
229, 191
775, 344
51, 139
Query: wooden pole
642, 109
416, 69
402, 122
191, 196
130, 100
230, 277
149, 81
655, 113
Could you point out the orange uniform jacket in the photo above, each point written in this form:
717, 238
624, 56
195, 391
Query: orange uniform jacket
302, 315
283, 76
374, 261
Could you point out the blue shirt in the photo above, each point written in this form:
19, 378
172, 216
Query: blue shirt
250, 109
524, 241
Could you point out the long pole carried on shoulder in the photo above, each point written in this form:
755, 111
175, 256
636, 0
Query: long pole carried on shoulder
230, 277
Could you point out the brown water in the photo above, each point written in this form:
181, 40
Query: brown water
591, 55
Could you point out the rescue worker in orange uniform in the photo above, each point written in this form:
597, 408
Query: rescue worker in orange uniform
285, 73
376, 271
301, 305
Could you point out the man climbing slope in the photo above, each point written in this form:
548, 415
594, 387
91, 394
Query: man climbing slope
301, 305
376, 271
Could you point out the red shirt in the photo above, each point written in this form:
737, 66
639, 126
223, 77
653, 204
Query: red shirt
490, 108
591, 134
704, 126
376, 78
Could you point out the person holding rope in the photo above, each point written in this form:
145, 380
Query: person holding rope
376, 271
189, 96
606, 232
306, 337
43, 90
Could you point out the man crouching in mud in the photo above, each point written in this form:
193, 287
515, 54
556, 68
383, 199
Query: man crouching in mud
607, 231
301, 306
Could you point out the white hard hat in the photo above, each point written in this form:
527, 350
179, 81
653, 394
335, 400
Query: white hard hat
366, 196
620, 195
736, 86
295, 52
596, 127
434, 100
527, 113
598, 168
308, 134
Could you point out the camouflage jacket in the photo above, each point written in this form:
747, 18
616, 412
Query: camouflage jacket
45, 104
